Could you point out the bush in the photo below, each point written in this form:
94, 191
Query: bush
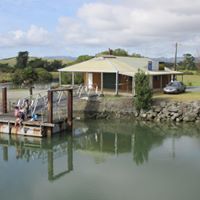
78, 78
24, 77
43, 75
66, 78
143, 91
6, 68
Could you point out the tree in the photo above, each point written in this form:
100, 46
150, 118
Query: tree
37, 63
22, 60
24, 77
6, 68
136, 55
189, 62
143, 91
115, 52
54, 65
83, 58
120, 52
43, 76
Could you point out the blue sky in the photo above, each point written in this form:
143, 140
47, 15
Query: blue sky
64, 27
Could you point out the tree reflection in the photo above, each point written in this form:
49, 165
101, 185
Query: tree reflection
144, 140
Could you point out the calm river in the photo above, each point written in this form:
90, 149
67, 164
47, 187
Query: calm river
105, 160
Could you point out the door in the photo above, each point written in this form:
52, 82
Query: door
90, 80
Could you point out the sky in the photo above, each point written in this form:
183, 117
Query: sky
76, 27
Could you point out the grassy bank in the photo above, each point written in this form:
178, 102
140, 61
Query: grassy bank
190, 80
184, 97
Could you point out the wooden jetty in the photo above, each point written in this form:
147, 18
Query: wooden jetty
38, 128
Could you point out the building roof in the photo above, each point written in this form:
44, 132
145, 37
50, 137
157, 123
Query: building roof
113, 64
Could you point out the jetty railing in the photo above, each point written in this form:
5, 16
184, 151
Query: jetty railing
53, 110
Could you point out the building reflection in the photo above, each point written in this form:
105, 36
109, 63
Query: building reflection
114, 140
99, 141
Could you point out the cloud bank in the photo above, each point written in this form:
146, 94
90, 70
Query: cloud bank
149, 26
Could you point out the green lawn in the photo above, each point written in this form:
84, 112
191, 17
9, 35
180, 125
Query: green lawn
190, 80
187, 96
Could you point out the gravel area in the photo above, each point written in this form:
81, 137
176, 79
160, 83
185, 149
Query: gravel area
193, 88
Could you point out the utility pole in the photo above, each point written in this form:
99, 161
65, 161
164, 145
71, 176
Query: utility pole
175, 59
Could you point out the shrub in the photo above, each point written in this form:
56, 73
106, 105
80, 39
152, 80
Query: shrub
143, 91
43, 75
66, 78
24, 77
189, 83
78, 78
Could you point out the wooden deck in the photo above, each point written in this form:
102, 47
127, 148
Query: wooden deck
31, 128
42, 127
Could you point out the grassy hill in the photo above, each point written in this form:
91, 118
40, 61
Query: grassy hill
12, 61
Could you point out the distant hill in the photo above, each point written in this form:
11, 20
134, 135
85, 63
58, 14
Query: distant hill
70, 58
168, 60
12, 61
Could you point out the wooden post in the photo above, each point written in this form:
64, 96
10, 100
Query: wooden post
101, 83
60, 78
72, 78
50, 110
117, 84
70, 108
133, 86
161, 85
4, 100
31, 91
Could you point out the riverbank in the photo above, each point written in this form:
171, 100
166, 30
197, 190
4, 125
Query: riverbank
123, 107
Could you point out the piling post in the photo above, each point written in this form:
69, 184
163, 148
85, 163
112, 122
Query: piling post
50, 110
4, 100
70, 109
31, 91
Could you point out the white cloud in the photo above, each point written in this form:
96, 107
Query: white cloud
150, 27
34, 36
130, 23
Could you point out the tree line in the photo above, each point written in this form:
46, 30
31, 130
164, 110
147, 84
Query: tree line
27, 71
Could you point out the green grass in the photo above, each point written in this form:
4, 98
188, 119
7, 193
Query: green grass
184, 97
12, 61
190, 80
64, 61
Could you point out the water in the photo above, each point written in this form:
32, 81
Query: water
104, 161
37, 86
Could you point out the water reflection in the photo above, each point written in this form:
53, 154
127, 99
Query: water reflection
46, 150
144, 140
99, 140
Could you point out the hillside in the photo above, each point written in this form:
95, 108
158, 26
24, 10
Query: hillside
12, 61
